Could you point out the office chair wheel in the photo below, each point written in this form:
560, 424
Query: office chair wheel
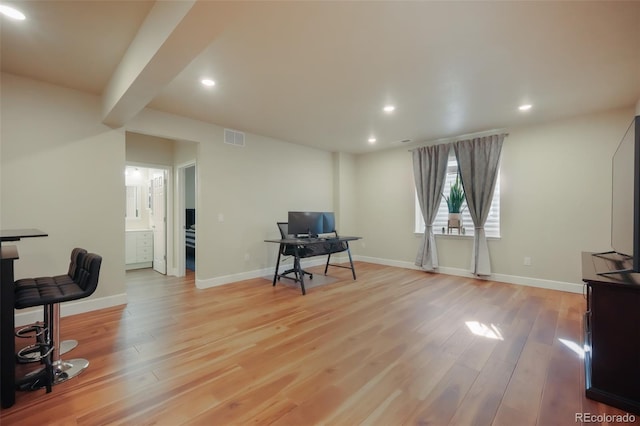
310, 276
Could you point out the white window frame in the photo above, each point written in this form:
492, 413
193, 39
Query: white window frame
492, 226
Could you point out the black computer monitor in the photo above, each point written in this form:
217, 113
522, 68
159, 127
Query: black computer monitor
328, 222
305, 223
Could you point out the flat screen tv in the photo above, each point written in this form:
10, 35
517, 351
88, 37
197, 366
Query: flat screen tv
625, 203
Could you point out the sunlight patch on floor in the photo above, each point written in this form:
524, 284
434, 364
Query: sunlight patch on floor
489, 331
573, 346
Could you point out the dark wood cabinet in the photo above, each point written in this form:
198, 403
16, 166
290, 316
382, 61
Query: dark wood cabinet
7, 339
612, 335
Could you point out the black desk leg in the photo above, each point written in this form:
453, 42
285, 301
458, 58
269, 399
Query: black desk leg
353, 270
275, 276
298, 268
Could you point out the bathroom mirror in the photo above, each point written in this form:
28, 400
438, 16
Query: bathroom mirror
133, 202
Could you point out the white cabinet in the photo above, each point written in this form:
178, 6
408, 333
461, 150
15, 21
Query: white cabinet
138, 249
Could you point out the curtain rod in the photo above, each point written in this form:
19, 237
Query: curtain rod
461, 137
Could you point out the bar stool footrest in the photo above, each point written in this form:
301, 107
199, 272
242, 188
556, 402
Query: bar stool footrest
34, 353
25, 332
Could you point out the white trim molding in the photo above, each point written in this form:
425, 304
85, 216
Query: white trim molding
503, 278
241, 276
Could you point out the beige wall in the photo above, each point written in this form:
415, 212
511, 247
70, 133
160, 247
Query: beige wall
148, 149
555, 200
184, 152
242, 192
385, 203
557, 195
344, 193
62, 172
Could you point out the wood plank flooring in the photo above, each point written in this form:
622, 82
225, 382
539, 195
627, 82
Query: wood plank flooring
395, 347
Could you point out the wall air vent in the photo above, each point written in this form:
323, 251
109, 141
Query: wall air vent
233, 137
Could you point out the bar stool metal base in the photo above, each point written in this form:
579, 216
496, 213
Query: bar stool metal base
65, 370
67, 346
62, 371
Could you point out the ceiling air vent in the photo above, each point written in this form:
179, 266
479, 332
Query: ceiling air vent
233, 137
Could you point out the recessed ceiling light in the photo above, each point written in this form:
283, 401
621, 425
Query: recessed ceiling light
372, 140
389, 108
208, 82
525, 107
12, 12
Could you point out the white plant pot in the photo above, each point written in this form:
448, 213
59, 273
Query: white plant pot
455, 220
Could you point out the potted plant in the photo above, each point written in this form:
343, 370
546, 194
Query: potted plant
454, 204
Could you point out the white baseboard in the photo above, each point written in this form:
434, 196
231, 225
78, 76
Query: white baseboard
228, 279
72, 308
509, 279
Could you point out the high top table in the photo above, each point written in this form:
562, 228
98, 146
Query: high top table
7, 320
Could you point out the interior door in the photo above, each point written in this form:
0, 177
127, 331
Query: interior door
159, 220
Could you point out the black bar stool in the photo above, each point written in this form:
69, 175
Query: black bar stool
31, 353
50, 292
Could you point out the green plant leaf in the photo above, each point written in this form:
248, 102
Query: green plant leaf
456, 196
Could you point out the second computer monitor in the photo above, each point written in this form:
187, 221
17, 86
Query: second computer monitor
328, 222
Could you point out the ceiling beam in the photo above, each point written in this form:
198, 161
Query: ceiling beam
172, 35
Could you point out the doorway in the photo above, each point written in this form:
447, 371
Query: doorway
190, 217
146, 218
187, 214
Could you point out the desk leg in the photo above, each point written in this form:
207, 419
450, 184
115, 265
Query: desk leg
353, 270
298, 268
7, 338
275, 275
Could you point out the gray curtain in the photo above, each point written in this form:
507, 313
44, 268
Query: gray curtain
429, 172
478, 160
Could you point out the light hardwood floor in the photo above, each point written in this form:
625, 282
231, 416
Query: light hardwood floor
395, 347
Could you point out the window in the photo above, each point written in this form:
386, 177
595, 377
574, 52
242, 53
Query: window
491, 227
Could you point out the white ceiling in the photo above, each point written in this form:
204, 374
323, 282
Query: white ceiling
319, 73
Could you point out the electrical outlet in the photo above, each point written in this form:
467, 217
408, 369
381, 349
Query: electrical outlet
247, 256
527, 261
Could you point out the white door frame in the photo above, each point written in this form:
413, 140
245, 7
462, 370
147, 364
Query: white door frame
159, 204
169, 211
181, 220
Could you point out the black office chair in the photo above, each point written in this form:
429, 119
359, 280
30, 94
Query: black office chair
50, 292
290, 250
